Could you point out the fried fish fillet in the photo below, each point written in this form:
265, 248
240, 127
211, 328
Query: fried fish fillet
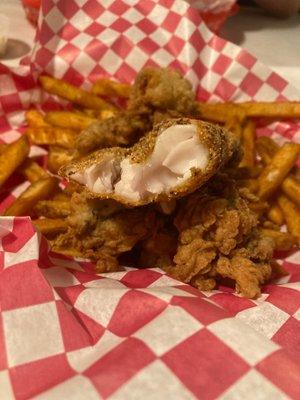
174, 159
157, 94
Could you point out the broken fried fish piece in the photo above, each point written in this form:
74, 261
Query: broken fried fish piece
174, 159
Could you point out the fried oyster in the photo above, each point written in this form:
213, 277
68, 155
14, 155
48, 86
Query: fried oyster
174, 159
157, 94
103, 230
219, 237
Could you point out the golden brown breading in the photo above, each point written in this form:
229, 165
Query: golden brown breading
103, 230
121, 130
219, 238
163, 90
141, 174
159, 249
157, 94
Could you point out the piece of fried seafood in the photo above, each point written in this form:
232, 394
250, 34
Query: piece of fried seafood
174, 159
103, 230
158, 250
157, 94
220, 237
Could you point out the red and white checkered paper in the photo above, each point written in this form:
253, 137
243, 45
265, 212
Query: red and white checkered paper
68, 333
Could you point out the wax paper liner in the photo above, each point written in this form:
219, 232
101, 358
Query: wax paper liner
67, 333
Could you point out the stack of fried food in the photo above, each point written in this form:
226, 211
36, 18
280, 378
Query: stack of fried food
163, 182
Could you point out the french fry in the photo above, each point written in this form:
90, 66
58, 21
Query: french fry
291, 188
105, 114
279, 110
26, 202
291, 215
35, 119
248, 142
275, 214
68, 119
32, 171
266, 148
283, 240
57, 157
255, 171
250, 172
12, 157
276, 171
50, 227
102, 114
259, 207
219, 112
90, 113
72, 93
234, 125
49, 135
107, 87
53, 208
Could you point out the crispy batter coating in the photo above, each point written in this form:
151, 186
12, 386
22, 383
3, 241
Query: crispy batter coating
103, 230
222, 147
159, 249
219, 238
157, 94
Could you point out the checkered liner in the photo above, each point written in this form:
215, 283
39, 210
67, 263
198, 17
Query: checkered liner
66, 332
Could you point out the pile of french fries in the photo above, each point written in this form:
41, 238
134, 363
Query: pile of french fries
267, 170
270, 171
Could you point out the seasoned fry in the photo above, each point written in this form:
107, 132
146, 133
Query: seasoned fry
104, 114
73, 94
266, 148
275, 214
88, 112
35, 119
283, 240
251, 172
12, 157
38, 190
49, 135
68, 119
107, 87
50, 227
221, 111
291, 214
53, 208
32, 171
234, 125
248, 139
275, 172
259, 207
57, 157
291, 187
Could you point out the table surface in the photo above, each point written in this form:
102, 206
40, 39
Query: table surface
273, 41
